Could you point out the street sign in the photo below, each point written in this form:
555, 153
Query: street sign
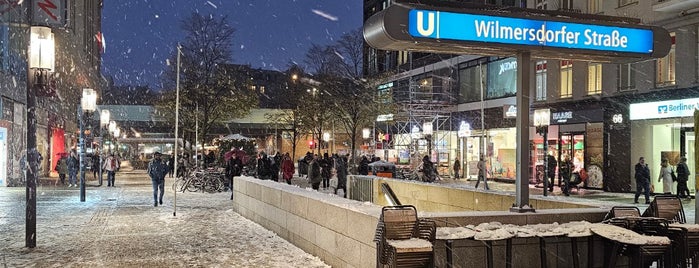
416, 27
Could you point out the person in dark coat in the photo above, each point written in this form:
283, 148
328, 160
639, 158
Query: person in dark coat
482, 172
171, 165
457, 168
565, 171
314, 175
325, 166
233, 168
307, 159
551, 170
62, 169
73, 168
642, 180
428, 170
682, 177
95, 165
364, 166
276, 166
341, 168
157, 169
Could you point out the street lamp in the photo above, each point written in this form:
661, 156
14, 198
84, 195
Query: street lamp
41, 60
542, 119
326, 138
463, 133
104, 122
88, 104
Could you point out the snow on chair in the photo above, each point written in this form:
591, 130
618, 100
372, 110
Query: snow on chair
403, 240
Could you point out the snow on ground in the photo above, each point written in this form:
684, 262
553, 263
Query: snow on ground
119, 227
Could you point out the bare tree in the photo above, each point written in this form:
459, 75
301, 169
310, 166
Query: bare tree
210, 93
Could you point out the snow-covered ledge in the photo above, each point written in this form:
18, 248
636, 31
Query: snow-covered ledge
337, 230
341, 231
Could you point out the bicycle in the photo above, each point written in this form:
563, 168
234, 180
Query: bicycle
200, 180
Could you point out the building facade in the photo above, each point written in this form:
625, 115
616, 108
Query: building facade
76, 29
603, 116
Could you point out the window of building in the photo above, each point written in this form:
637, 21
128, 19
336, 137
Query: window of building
262, 89
541, 81
627, 77
471, 81
665, 67
565, 4
542, 4
594, 79
594, 6
403, 57
566, 79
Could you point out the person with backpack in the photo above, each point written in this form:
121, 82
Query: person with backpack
62, 169
111, 165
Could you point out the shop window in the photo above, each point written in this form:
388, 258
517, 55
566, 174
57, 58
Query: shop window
566, 79
541, 81
502, 78
627, 77
594, 79
665, 67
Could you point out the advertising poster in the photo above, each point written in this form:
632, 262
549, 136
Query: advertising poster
502, 78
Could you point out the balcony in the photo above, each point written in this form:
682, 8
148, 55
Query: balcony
675, 5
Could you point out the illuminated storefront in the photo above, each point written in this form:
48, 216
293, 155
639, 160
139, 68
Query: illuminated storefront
663, 129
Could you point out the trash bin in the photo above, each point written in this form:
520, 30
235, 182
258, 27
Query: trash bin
303, 167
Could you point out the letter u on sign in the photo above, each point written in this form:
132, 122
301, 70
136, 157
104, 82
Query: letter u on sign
420, 23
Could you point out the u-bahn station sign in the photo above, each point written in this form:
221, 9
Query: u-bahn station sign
416, 27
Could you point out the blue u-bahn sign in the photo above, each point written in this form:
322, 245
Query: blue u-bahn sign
421, 28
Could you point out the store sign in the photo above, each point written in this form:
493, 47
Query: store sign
385, 86
384, 117
618, 119
509, 111
577, 116
663, 109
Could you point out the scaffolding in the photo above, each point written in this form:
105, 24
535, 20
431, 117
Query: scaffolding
426, 100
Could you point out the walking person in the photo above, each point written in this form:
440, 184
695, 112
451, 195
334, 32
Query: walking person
325, 166
682, 177
565, 171
364, 166
62, 169
287, 168
341, 169
482, 173
457, 168
428, 171
73, 167
157, 169
665, 176
551, 170
642, 180
95, 165
171, 165
111, 164
314, 176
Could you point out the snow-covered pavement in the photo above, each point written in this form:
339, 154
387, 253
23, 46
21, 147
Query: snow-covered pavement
120, 227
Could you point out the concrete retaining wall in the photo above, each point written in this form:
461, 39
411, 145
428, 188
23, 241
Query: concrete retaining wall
341, 231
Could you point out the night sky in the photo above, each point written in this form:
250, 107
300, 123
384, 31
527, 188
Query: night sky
141, 34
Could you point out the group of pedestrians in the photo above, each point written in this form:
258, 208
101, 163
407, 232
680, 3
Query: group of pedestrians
320, 170
70, 165
666, 175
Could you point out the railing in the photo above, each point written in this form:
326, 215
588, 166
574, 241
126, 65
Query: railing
361, 188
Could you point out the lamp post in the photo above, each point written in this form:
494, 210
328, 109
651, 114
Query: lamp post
542, 118
326, 139
41, 62
104, 122
88, 104
463, 133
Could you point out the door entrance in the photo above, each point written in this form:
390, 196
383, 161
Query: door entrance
572, 145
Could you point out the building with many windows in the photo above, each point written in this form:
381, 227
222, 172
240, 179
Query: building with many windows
76, 30
604, 116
